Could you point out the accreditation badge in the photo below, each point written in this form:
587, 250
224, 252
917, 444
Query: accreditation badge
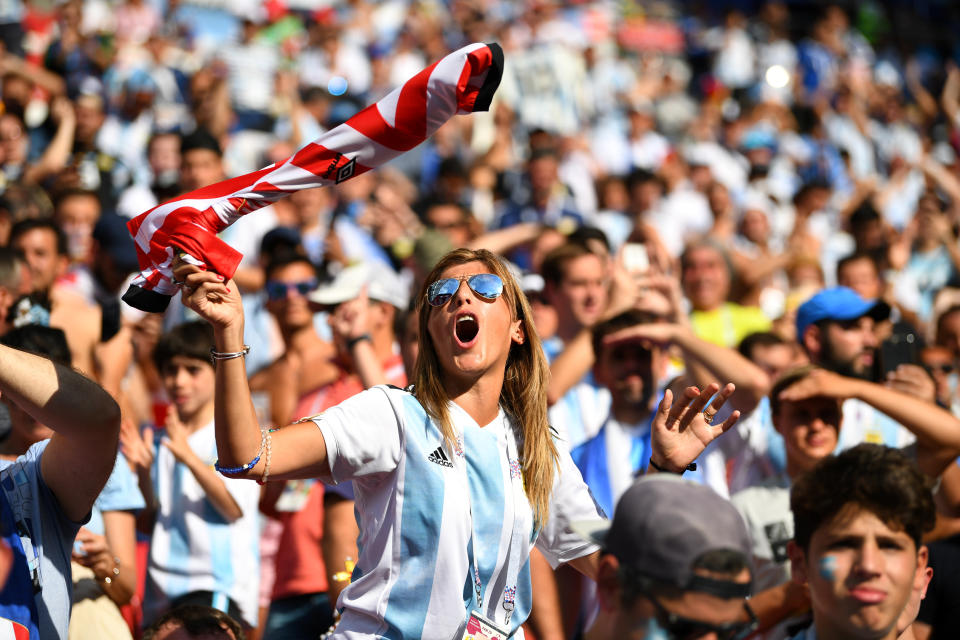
480, 628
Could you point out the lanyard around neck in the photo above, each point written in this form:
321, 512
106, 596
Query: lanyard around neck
513, 558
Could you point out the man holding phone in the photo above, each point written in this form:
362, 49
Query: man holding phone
836, 329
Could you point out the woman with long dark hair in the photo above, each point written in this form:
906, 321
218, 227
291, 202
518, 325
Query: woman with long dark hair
455, 479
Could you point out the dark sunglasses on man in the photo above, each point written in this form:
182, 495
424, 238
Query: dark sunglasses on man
680, 628
277, 290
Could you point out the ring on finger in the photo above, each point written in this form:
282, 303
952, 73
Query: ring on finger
178, 283
709, 415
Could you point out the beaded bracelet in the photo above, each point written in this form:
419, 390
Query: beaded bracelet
232, 471
266, 464
228, 355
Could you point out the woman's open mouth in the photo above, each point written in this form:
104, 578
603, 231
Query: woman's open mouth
465, 329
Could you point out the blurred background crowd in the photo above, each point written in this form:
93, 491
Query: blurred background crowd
712, 165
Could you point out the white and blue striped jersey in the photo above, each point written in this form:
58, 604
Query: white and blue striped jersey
413, 578
863, 423
193, 548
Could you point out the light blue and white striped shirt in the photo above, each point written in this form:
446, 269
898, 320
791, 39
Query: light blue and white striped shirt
413, 578
193, 548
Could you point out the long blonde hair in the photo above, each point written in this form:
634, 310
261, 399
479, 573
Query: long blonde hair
524, 391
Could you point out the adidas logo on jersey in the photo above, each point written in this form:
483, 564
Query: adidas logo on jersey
439, 457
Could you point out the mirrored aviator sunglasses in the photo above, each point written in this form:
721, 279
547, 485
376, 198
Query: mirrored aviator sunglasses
486, 285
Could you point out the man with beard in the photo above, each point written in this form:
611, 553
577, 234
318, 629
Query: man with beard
631, 362
836, 329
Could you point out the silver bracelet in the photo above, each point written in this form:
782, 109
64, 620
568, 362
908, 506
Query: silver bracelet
228, 355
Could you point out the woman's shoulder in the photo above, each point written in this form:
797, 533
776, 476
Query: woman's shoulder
375, 402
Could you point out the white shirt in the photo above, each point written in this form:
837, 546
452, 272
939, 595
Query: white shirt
414, 574
193, 548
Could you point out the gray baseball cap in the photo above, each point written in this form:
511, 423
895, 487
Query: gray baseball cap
663, 524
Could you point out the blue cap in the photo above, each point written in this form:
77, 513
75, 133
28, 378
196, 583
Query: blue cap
758, 138
838, 303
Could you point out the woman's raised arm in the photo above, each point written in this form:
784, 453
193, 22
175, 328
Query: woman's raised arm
296, 451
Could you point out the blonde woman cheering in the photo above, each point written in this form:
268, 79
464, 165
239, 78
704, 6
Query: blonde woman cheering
457, 478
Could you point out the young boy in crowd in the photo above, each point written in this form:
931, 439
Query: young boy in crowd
204, 546
807, 410
859, 519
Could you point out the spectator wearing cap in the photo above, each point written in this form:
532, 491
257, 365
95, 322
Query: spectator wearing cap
675, 562
114, 261
318, 541
363, 300
873, 500
836, 328
545, 317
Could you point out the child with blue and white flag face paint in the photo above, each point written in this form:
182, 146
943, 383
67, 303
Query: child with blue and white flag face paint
859, 519
457, 478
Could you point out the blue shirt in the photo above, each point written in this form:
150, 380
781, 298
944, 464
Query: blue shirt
121, 493
38, 592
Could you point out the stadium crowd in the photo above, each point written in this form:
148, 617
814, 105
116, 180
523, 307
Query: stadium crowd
688, 194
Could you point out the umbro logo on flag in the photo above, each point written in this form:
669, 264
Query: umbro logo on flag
439, 457
346, 171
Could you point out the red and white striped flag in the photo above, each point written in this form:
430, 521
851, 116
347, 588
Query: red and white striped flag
462, 82
10, 630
